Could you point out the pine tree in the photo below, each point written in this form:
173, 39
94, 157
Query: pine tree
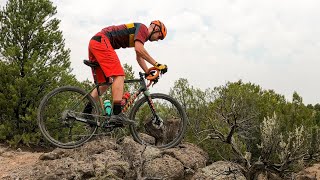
33, 61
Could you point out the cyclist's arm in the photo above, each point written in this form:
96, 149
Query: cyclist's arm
142, 63
142, 53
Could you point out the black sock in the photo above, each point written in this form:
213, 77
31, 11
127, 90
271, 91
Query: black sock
88, 108
116, 108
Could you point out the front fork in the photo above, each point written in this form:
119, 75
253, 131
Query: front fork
156, 121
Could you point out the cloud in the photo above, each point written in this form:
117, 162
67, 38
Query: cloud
272, 43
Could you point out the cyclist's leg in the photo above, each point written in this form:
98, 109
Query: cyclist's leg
95, 94
111, 67
117, 92
99, 75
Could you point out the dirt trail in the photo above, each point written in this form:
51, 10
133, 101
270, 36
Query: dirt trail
313, 171
13, 160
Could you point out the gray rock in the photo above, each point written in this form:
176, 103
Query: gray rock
132, 150
220, 170
101, 160
166, 167
151, 153
189, 155
49, 156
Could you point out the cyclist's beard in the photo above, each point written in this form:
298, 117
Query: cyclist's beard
149, 38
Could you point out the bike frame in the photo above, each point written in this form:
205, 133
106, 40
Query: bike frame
143, 89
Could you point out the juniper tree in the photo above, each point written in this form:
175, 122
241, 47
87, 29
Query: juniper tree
34, 60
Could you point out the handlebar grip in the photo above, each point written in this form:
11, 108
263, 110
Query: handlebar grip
152, 77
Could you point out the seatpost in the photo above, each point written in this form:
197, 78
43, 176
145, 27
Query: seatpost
97, 85
96, 80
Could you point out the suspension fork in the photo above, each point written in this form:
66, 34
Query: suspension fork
150, 102
145, 90
151, 105
157, 121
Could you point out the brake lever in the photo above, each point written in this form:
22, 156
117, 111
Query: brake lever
154, 78
155, 81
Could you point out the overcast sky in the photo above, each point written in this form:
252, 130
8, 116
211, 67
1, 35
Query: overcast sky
271, 43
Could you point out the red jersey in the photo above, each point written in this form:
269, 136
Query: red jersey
123, 36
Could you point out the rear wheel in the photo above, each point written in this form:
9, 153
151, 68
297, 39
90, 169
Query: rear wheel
58, 113
172, 116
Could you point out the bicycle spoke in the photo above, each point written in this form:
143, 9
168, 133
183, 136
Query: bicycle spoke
70, 133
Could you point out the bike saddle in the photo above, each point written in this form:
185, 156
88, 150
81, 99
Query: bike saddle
91, 64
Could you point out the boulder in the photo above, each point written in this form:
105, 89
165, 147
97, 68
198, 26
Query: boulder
165, 167
220, 170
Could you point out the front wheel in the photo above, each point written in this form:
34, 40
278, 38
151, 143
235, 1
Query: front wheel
161, 123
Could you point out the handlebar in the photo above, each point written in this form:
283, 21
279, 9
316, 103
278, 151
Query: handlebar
153, 75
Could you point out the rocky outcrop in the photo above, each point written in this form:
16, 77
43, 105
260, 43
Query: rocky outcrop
105, 159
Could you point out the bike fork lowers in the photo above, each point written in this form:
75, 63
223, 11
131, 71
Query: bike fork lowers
156, 120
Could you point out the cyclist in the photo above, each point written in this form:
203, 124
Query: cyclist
102, 50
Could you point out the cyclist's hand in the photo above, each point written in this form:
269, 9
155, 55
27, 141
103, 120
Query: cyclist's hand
162, 67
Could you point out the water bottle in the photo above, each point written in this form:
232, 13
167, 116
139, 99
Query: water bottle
108, 107
125, 98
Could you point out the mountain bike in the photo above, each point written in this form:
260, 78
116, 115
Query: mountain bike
160, 120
